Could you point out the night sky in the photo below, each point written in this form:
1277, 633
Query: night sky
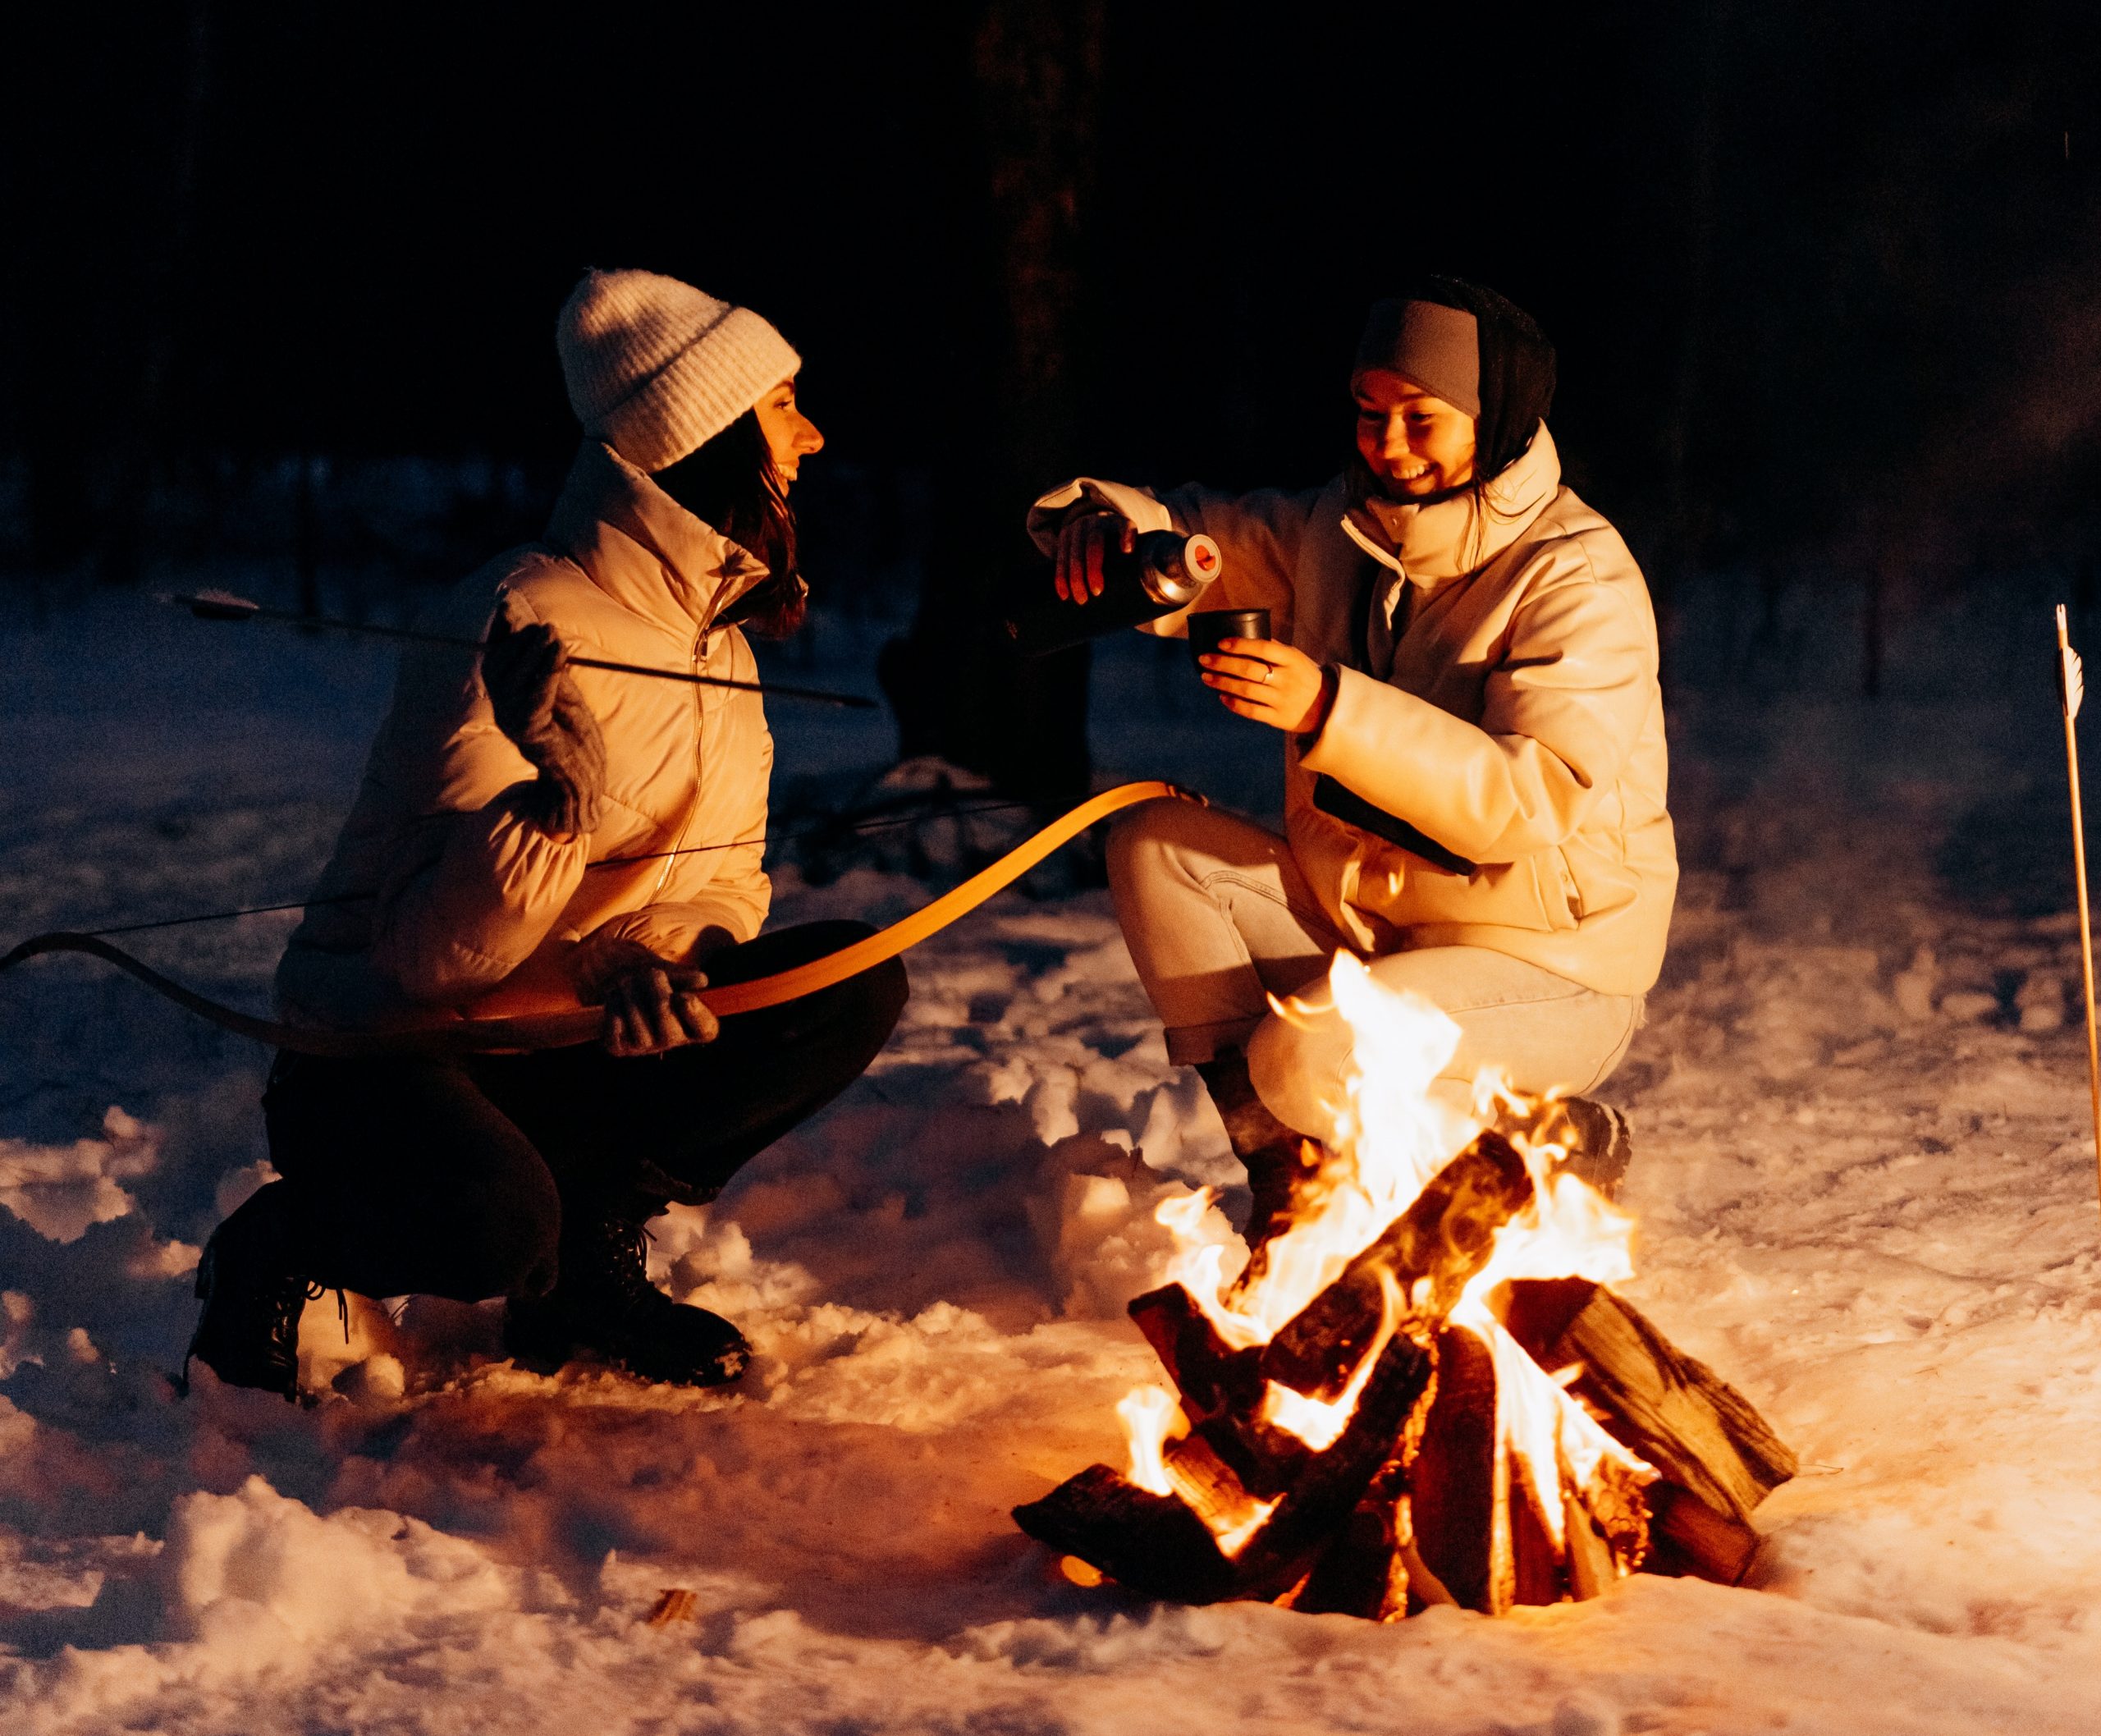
1809, 265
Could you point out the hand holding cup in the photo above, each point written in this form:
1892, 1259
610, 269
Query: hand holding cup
1269, 681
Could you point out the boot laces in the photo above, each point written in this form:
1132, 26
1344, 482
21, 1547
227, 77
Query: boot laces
622, 1247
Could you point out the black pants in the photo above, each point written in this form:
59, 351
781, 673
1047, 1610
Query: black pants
449, 1176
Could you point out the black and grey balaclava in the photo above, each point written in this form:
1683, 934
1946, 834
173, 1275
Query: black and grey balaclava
1472, 347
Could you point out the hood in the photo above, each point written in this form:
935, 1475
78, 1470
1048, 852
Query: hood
1429, 545
642, 548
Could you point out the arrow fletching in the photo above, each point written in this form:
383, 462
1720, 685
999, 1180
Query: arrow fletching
217, 605
2072, 678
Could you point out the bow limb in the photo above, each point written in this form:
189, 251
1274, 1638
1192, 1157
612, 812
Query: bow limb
566, 1024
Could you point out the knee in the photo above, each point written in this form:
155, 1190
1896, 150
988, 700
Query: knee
508, 1246
879, 996
1298, 1067
1147, 841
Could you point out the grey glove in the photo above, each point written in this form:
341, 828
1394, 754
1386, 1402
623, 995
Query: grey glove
540, 708
652, 1004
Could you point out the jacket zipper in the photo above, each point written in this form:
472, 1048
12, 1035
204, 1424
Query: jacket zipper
699, 714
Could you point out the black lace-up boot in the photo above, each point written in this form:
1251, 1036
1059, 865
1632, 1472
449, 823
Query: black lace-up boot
253, 1294
604, 1306
1598, 1139
1275, 1156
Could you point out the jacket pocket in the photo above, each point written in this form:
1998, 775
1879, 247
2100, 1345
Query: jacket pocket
1536, 892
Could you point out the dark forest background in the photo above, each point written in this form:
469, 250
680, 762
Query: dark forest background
1825, 276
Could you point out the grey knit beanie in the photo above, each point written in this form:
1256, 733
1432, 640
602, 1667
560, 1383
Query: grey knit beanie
655, 367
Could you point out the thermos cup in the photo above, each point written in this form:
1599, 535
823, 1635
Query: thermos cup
1208, 626
1162, 572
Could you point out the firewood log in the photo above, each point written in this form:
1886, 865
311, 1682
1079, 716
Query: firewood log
1364, 1571
1221, 1391
1384, 1425
1154, 1544
1442, 1240
1458, 1484
1715, 1456
1211, 1376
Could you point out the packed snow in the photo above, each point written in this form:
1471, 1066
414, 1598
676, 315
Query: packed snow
1863, 1172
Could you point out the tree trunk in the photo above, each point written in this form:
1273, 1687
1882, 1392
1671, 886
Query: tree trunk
957, 688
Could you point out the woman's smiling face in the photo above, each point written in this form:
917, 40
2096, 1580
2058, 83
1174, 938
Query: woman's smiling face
1415, 444
790, 436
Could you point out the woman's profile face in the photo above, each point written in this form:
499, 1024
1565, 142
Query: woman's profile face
1415, 444
789, 433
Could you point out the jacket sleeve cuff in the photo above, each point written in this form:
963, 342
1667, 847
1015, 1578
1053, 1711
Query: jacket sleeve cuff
1047, 517
677, 933
1330, 684
1327, 749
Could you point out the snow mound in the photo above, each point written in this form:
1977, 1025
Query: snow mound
60, 1192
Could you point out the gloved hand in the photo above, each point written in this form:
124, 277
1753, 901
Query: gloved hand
652, 1004
539, 707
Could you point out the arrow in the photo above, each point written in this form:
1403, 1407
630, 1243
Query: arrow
225, 606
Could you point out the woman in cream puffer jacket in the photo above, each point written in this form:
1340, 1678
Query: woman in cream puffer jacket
1463, 663
473, 898
529, 833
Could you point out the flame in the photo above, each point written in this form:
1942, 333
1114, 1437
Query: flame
1151, 1419
1392, 1134
1319, 1423
1555, 1443
1569, 1231
1235, 1536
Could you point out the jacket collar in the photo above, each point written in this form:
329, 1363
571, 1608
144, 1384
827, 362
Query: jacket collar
642, 548
1429, 545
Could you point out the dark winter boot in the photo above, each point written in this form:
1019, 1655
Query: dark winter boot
253, 1294
1599, 1141
604, 1306
1275, 1156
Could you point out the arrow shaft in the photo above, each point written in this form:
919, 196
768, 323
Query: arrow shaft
373, 629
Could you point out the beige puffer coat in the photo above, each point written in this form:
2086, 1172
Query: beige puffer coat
475, 910
1522, 728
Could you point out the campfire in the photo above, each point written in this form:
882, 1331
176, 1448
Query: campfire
1422, 1390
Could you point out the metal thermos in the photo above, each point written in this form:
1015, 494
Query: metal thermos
1163, 571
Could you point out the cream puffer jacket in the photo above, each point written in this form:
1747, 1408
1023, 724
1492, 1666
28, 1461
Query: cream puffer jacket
474, 911
1522, 727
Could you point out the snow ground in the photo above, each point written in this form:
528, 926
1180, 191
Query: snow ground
1864, 1175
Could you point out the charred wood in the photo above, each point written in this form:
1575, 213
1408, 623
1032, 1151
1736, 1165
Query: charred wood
1154, 1544
1383, 1426
1212, 1376
1221, 1391
1364, 1571
1441, 1241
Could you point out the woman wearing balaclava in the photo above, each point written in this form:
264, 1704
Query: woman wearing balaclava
1464, 669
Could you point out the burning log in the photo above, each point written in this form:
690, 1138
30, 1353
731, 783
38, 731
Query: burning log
1715, 1456
1162, 1546
1458, 1487
1155, 1544
1440, 1242
1368, 1423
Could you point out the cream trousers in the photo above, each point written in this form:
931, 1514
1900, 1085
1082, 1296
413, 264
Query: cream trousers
1218, 918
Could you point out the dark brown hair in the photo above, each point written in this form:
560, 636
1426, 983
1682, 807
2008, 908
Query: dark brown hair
730, 482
